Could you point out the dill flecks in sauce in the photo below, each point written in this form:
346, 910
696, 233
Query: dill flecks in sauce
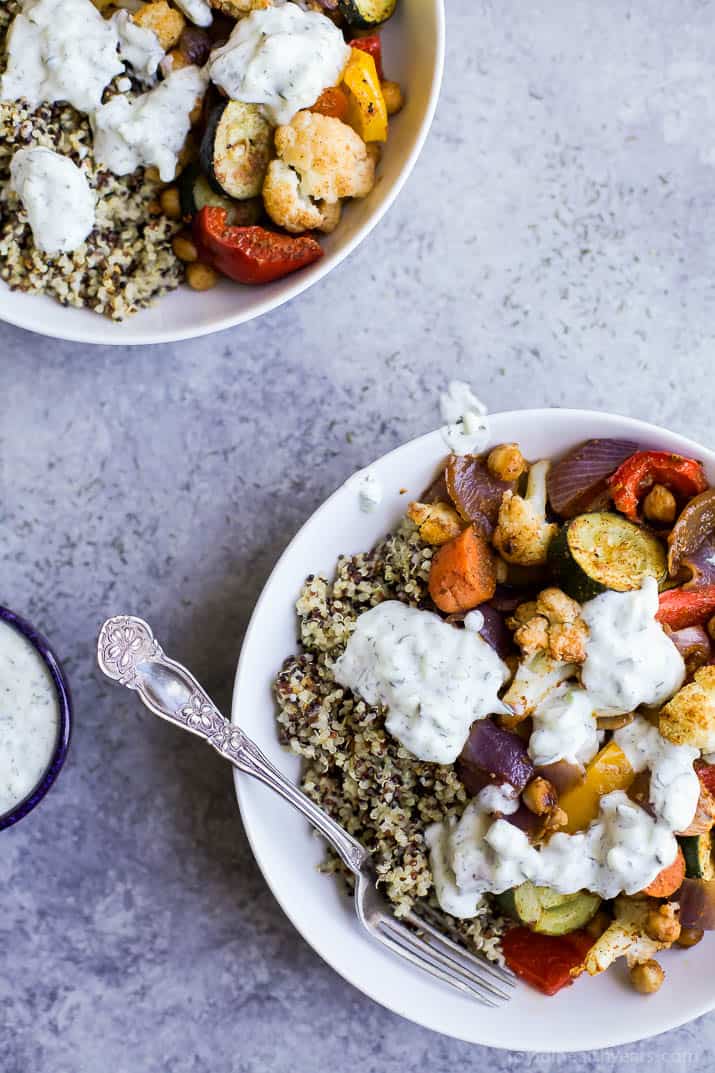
29, 717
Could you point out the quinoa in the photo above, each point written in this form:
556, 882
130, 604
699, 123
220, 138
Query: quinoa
127, 261
352, 767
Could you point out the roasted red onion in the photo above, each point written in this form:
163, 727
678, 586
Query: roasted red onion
578, 482
495, 631
527, 821
693, 644
475, 493
701, 564
501, 753
697, 904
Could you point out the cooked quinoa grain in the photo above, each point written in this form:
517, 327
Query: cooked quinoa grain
355, 770
127, 261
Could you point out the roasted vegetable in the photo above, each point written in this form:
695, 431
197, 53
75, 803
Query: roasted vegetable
693, 644
626, 937
236, 149
547, 962
546, 911
695, 524
463, 573
579, 482
609, 770
437, 522
636, 476
697, 853
522, 534
196, 193
697, 904
364, 14
333, 102
680, 608
553, 624
250, 255
535, 678
371, 43
367, 111
669, 879
689, 717
600, 551
498, 752
476, 494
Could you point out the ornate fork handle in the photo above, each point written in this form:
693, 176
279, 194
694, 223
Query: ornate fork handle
128, 653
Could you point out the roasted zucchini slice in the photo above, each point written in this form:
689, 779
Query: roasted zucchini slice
546, 911
365, 14
236, 149
599, 551
196, 192
697, 850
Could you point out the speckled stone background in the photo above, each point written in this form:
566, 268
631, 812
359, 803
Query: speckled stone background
554, 246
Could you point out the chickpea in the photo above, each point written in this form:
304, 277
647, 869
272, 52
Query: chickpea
662, 924
659, 505
184, 248
598, 924
506, 462
201, 277
170, 203
540, 796
689, 937
647, 977
394, 101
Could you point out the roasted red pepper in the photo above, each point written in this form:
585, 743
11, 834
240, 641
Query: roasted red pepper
633, 479
250, 254
706, 774
679, 608
547, 962
373, 45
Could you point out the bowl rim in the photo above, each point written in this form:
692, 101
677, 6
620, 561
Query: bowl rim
64, 729
626, 1032
99, 333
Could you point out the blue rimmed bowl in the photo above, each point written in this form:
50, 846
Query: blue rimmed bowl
57, 758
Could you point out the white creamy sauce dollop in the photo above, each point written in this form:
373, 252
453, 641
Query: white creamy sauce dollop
674, 785
282, 58
29, 717
197, 11
629, 658
433, 678
369, 490
138, 46
60, 50
152, 129
59, 201
564, 728
466, 430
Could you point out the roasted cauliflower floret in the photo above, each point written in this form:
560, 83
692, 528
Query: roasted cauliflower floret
331, 160
437, 522
522, 534
626, 937
689, 717
166, 22
535, 678
552, 623
237, 8
288, 208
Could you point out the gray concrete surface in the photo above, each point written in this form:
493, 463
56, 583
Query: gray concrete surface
554, 246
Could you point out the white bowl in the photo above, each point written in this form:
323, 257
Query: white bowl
414, 56
593, 1013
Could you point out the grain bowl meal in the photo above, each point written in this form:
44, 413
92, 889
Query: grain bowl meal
510, 701
147, 143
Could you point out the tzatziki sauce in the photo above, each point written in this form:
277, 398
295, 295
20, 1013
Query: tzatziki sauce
433, 678
59, 202
282, 58
29, 717
369, 490
467, 428
138, 46
150, 130
60, 50
629, 658
564, 728
197, 11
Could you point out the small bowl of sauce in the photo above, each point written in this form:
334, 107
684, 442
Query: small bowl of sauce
35, 717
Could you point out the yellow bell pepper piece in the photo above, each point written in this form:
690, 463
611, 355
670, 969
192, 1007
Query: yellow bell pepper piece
367, 111
609, 770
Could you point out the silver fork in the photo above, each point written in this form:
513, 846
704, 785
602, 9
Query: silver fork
128, 653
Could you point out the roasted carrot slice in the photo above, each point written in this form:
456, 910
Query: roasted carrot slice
463, 573
669, 880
